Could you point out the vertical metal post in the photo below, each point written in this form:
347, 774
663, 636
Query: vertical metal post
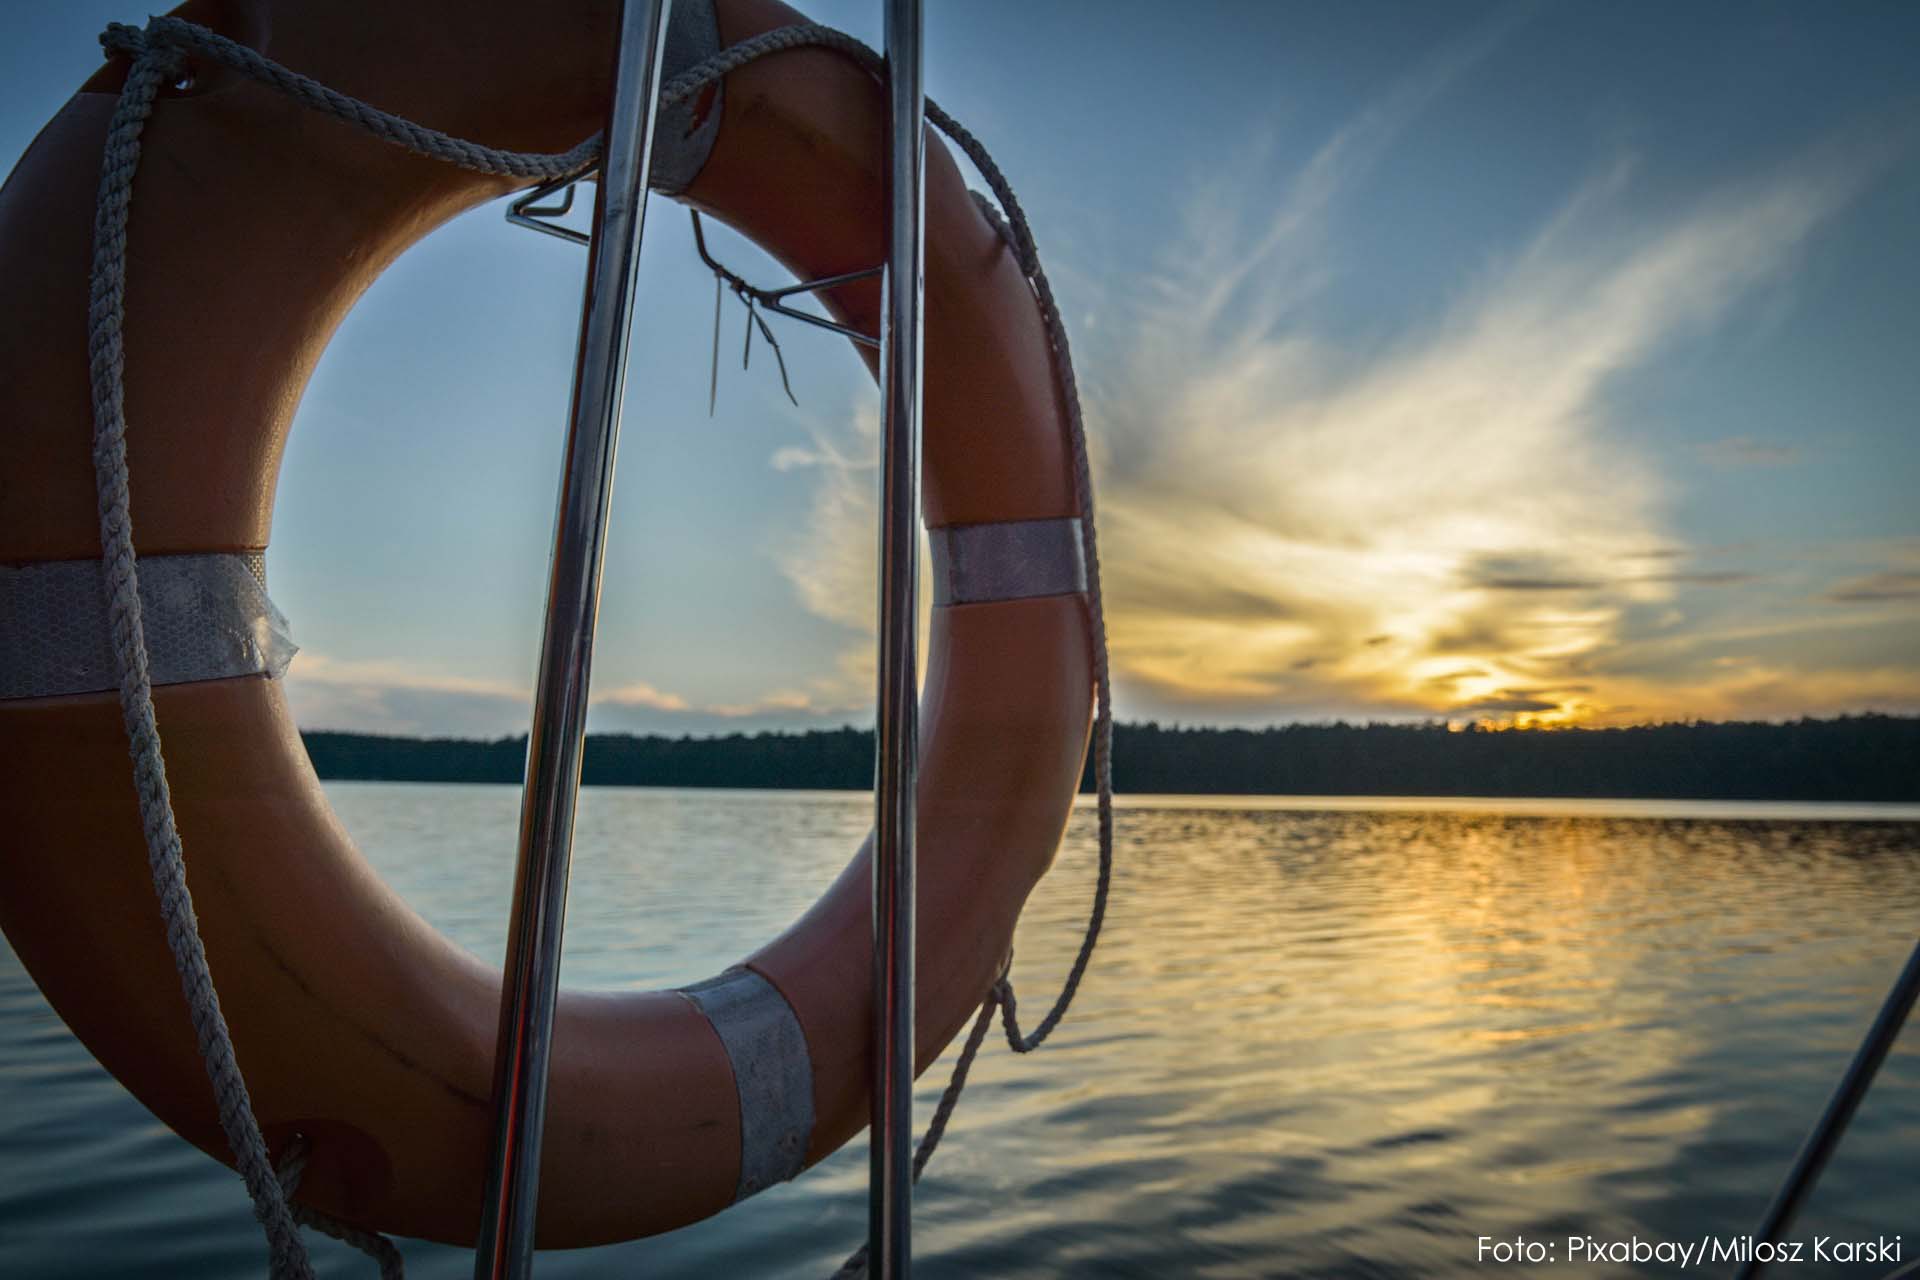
532, 978
1826, 1135
890, 1197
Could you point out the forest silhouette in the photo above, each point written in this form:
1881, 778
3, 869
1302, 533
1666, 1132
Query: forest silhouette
1853, 758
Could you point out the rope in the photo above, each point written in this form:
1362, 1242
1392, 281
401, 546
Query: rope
856, 1263
1029, 258
1020, 233
159, 54
293, 1163
107, 365
173, 37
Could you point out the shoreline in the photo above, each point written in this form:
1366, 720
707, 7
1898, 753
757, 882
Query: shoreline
1868, 759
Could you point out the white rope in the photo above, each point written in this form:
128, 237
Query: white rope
107, 365
856, 1263
293, 1163
159, 54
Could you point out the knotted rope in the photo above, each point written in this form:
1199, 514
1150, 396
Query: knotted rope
159, 54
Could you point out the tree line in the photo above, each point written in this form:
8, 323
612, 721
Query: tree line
1856, 758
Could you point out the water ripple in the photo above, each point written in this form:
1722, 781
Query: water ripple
1320, 1039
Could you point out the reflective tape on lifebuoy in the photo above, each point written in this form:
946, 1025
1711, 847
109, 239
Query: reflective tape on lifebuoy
254, 230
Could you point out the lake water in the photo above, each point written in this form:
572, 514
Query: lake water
1320, 1038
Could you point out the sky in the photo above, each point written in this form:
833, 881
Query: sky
1515, 363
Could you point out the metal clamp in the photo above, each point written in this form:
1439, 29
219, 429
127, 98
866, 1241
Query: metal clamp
527, 211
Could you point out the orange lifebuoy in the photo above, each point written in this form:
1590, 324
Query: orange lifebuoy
358, 1026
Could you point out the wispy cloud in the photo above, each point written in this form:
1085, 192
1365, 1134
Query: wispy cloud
1745, 689
1703, 577
401, 698
1300, 529
833, 563
640, 694
1445, 525
1883, 587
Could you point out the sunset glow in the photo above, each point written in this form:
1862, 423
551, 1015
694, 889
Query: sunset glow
1499, 372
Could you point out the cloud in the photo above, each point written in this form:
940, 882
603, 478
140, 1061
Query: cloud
1540, 573
1745, 451
1295, 527
832, 563
1703, 577
1443, 525
1446, 522
402, 698
1754, 690
642, 694
1487, 708
1878, 588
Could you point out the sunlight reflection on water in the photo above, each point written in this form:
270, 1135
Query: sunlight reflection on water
1319, 1038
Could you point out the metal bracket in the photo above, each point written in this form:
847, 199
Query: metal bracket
527, 211
775, 299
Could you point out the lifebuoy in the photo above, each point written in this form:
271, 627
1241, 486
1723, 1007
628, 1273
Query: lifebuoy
255, 228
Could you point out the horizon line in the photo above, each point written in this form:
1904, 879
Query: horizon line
1433, 723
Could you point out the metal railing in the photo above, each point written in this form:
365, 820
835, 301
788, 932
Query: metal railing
1832, 1126
897, 724
530, 984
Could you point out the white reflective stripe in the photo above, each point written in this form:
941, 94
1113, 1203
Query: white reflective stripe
771, 1068
1008, 560
207, 617
680, 147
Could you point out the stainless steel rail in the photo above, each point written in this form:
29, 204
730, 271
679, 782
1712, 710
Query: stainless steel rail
1826, 1135
532, 976
890, 1194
